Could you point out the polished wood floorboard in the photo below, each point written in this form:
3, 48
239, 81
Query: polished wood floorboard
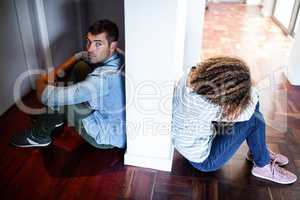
72, 169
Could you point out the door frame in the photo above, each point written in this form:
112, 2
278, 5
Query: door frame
290, 29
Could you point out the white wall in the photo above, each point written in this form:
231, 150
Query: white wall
62, 26
155, 33
193, 32
283, 11
12, 54
297, 23
254, 2
268, 7
293, 68
230, 1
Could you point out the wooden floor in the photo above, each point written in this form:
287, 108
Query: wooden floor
72, 169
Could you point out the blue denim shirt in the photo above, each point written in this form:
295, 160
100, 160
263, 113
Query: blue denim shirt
104, 90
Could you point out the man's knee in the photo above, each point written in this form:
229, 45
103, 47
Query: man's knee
81, 65
80, 71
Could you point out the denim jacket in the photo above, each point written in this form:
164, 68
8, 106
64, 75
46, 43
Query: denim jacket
104, 90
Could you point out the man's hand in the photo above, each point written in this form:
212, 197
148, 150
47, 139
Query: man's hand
82, 55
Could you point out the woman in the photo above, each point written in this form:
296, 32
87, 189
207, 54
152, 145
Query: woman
215, 108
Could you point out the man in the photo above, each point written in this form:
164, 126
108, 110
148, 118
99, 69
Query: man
94, 104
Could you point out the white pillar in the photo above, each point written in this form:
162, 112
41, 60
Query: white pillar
193, 32
268, 8
253, 2
293, 67
155, 34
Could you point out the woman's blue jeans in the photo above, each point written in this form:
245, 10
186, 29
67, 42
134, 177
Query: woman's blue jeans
225, 145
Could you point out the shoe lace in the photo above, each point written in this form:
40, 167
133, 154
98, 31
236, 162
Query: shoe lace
276, 156
276, 168
273, 154
38, 132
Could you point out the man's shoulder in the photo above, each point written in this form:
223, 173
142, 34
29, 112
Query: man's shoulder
114, 65
116, 61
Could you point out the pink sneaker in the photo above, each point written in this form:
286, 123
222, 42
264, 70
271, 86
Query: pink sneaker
274, 173
281, 160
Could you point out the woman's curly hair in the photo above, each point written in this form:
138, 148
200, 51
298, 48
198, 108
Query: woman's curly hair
223, 81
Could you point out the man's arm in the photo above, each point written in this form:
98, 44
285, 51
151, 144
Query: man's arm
93, 87
43, 80
41, 83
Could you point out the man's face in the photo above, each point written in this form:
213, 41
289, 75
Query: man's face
99, 48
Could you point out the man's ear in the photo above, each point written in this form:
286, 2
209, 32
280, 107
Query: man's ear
113, 46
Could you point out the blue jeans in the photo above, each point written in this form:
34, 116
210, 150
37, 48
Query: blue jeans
225, 145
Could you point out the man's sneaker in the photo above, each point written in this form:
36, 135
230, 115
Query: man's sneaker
281, 160
273, 172
31, 138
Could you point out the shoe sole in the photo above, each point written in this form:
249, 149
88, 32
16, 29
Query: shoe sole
32, 145
270, 179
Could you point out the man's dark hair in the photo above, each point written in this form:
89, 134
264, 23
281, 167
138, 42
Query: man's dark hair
105, 26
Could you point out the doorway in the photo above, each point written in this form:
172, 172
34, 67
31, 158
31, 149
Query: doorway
285, 14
